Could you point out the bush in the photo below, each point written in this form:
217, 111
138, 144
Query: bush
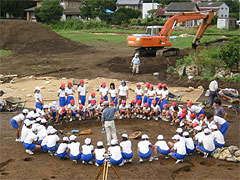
124, 15
170, 69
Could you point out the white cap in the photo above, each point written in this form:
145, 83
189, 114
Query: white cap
87, 141
179, 130
54, 103
28, 123
52, 131
198, 128
214, 126
65, 139
72, 138
26, 120
136, 54
35, 115
31, 114
38, 110
144, 136
99, 143
49, 129
38, 119
125, 135
160, 137
25, 111
176, 137
45, 106
37, 88
43, 121
185, 133
34, 128
206, 131
114, 142
40, 127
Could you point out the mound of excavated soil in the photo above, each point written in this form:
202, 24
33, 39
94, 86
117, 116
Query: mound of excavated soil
29, 37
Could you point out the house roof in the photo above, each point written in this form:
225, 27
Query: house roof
181, 7
31, 9
210, 4
129, 2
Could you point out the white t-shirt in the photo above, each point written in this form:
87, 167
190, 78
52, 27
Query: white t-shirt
84, 109
62, 93
113, 92
162, 145
158, 92
38, 97
139, 106
213, 86
42, 134
123, 90
87, 149
208, 142
99, 154
74, 148
139, 92
143, 146
151, 93
155, 108
82, 90
218, 136
195, 109
189, 143
198, 136
52, 140
115, 151
100, 107
92, 107
219, 120
165, 94
121, 107
62, 147
70, 92
24, 133
53, 107
44, 141
126, 146
31, 137
146, 109
19, 118
73, 108
103, 91
92, 98
180, 147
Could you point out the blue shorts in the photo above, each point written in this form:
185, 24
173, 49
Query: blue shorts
190, 151
87, 157
74, 114
114, 162
44, 148
29, 146
62, 101
14, 124
164, 101
62, 155
203, 149
218, 145
157, 99
180, 118
224, 128
150, 101
54, 148
69, 98
163, 152
54, 113
178, 156
100, 162
83, 100
139, 98
75, 157
105, 98
38, 105
127, 156
145, 156
201, 112
145, 99
39, 142
196, 143
113, 99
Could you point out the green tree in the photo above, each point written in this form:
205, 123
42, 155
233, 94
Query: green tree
123, 15
230, 53
50, 11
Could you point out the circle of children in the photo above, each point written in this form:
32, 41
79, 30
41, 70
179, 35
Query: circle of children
208, 129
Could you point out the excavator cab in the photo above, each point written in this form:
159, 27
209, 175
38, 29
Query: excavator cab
153, 30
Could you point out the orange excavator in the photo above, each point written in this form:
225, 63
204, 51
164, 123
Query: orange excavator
150, 43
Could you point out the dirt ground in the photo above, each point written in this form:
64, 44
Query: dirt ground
108, 61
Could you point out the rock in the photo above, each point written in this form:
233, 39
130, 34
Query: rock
192, 70
190, 77
238, 159
237, 153
12, 81
42, 87
64, 78
200, 87
23, 89
29, 95
231, 159
216, 153
224, 154
47, 82
191, 88
51, 90
232, 149
175, 90
156, 74
31, 77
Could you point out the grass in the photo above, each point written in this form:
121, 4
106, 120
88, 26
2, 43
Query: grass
5, 53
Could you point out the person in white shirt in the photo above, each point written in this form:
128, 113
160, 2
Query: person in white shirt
46, 112
104, 91
116, 155
198, 134
158, 93
45, 139
155, 110
16, 123
54, 111
221, 123
123, 109
195, 109
92, 109
139, 92
52, 143
72, 111
30, 142
132, 108
82, 91
87, 151
123, 91
61, 95
139, 108
92, 97
69, 92
213, 87
145, 149
99, 154
74, 149
26, 129
145, 98
100, 109
151, 94
178, 149
42, 131
164, 96
62, 150
38, 98
62, 113
82, 111
189, 143
126, 146
146, 111
161, 147
113, 94
218, 137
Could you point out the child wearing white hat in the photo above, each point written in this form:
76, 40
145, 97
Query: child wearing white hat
116, 155
161, 147
178, 149
126, 146
99, 153
54, 111
74, 149
188, 143
26, 129
16, 123
87, 151
62, 149
52, 143
45, 139
218, 137
198, 134
38, 98
30, 141
144, 149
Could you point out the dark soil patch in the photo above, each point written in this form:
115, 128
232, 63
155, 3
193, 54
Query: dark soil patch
27, 159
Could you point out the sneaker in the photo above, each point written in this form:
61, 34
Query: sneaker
18, 140
121, 164
121, 117
124, 116
135, 114
50, 153
179, 160
70, 119
124, 160
205, 155
155, 158
75, 161
27, 150
151, 159
80, 118
156, 119
96, 164
172, 123
130, 160
141, 160
90, 162
144, 117
30, 152
148, 118
140, 116
83, 162
166, 157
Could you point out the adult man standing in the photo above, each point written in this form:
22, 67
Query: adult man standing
135, 64
108, 122
213, 87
